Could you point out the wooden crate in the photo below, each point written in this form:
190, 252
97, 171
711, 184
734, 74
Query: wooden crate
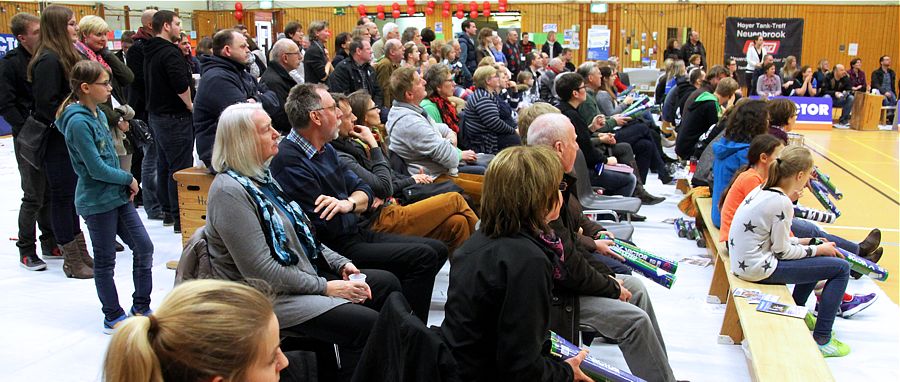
193, 188
866, 111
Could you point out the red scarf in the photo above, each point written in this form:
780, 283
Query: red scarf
448, 111
89, 53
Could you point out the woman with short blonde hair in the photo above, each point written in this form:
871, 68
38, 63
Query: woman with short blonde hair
204, 329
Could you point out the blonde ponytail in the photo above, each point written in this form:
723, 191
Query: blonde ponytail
130, 356
793, 159
203, 329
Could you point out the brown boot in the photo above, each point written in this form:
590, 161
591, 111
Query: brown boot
82, 247
73, 264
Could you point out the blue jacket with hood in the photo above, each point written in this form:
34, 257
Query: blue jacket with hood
102, 185
730, 156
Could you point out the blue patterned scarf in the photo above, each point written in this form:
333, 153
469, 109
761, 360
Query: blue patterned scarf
273, 227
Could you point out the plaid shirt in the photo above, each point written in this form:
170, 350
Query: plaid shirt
307, 147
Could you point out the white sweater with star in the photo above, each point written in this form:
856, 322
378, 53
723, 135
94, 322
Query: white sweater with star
760, 235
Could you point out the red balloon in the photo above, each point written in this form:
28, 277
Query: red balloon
431, 4
473, 6
395, 6
381, 15
486, 5
446, 5
473, 15
501, 8
459, 7
396, 13
486, 12
238, 6
411, 10
410, 3
446, 13
361, 9
238, 15
380, 8
460, 14
503, 3
429, 11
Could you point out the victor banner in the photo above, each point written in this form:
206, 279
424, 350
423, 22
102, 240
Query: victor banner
783, 37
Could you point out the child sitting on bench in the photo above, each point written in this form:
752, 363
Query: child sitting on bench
762, 250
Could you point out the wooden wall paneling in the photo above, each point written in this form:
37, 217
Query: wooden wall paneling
206, 23
10, 8
336, 23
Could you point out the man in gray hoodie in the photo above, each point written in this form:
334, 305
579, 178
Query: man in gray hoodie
426, 146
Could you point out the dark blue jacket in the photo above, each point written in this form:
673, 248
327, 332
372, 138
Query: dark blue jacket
304, 179
224, 83
467, 55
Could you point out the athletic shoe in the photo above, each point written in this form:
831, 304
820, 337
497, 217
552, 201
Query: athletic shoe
857, 304
32, 263
810, 320
133, 312
834, 348
54, 254
109, 327
168, 220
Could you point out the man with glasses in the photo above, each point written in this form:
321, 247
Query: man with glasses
309, 170
226, 82
283, 58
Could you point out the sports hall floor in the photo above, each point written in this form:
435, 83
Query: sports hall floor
53, 323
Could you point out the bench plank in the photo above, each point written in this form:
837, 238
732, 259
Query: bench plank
781, 348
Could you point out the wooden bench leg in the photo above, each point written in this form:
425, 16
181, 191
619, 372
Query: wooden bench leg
718, 288
731, 332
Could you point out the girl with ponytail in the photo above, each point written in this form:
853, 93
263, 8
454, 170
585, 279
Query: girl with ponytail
762, 250
205, 330
104, 194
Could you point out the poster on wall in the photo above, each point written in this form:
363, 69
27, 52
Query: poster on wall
598, 44
783, 37
7, 43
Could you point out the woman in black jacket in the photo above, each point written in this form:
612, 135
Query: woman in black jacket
49, 71
498, 301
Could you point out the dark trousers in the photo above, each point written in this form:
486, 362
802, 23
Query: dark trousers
103, 228
62, 180
614, 182
646, 149
35, 208
174, 139
349, 325
414, 260
150, 182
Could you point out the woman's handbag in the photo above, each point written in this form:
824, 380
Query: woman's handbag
32, 139
417, 192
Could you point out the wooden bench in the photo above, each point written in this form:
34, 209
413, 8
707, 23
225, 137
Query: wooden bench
781, 348
193, 188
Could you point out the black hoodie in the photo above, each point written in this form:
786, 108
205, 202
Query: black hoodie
699, 116
166, 75
16, 98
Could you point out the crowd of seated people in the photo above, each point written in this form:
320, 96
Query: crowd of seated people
380, 160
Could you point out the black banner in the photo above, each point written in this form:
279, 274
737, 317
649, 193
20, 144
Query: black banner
783, 37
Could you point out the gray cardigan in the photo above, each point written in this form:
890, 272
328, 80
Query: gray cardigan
606, 105
238, 251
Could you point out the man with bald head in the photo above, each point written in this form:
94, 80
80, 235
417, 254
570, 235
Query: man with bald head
613, 304
137, 99
283, 58
837, 86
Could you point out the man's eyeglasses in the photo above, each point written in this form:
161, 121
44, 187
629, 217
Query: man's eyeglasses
333, 107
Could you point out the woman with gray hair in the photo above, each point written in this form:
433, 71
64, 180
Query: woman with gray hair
440, 86
255, 232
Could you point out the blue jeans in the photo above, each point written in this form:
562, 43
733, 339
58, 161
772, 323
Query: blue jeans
616, 266
614, 182
103, 228
150, 193
846, 105
174, 139
804, 274
806, 229
61, 180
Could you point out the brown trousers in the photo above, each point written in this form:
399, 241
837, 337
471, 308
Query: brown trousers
444, 217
